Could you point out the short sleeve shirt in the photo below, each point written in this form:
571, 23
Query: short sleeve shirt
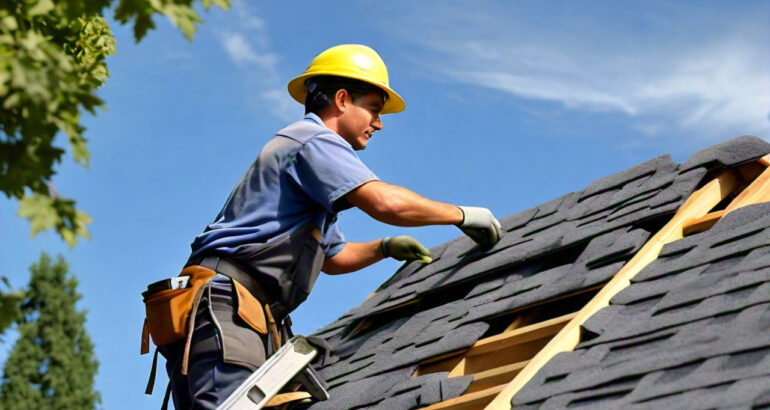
301, 176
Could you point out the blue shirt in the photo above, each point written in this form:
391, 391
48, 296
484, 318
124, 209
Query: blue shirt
297, 179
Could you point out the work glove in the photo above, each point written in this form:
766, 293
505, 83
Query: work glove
480, 225
405, 248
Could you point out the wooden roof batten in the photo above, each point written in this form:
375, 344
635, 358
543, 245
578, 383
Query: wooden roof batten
497, 378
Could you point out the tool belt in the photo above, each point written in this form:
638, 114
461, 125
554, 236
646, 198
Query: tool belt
221, 264
170, 313
289, 266
248, 288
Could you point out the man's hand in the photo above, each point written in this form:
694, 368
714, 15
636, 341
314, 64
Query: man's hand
480, 225
405, 248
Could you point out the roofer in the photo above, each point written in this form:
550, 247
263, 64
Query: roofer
278, 229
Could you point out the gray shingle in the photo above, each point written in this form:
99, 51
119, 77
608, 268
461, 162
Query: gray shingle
729, 153
685, 329
690, 322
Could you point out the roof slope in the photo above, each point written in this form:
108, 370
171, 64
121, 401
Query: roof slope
693, 329
572, 243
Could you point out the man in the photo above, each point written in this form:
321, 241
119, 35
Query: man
278, 228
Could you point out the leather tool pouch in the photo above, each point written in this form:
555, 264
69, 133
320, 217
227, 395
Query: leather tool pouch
169, 315
249, 309
168, 310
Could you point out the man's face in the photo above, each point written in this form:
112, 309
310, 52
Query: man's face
362, 118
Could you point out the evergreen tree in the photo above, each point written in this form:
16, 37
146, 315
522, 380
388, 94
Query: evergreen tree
51, 366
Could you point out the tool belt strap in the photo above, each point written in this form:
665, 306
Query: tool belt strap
191, 328
222, 265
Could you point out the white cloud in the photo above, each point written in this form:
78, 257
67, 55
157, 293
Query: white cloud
706, 81
248, 20
237, 48
240, 52
247, 45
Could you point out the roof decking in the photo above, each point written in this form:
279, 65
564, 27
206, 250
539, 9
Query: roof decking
572, 244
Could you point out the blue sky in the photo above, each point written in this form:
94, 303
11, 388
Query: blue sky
509, 104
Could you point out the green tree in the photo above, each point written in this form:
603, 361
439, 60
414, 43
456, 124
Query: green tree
52, 61
9, 305
52, 364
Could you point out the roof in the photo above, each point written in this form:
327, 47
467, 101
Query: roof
701, 307
692, 330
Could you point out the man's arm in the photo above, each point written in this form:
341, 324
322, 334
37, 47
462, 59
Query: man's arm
399, 206
396, 205
354, 256
357, 255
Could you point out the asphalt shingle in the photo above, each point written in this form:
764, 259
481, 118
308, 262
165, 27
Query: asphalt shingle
706, 291
694, 320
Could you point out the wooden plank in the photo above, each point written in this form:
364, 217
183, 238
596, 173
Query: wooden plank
512, 354
488, 352
283, 398
524, 318
459, 369
521, 335
697, 205
703, 223
475, 400
758, 191
750, 171
444, 363
495, 377
516, 323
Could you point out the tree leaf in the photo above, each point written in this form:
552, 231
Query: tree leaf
45, 212
9, 23
40, 211
41, 7
223, 4
80, 150
183, 17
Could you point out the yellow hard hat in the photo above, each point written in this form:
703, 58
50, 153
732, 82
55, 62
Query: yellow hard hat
354, 61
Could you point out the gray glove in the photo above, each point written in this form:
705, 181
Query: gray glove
480, 225
405, 248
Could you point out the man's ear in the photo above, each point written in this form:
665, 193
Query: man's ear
340, 99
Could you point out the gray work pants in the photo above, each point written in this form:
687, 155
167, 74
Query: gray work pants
209, 380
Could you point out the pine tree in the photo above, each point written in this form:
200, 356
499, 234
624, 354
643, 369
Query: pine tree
51, 366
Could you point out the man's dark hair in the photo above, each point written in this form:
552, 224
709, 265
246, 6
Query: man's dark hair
321, 90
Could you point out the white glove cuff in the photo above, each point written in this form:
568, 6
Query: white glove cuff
475, 217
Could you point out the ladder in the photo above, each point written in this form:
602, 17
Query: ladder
290, 364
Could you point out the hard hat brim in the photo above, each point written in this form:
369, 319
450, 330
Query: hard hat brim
393, 104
